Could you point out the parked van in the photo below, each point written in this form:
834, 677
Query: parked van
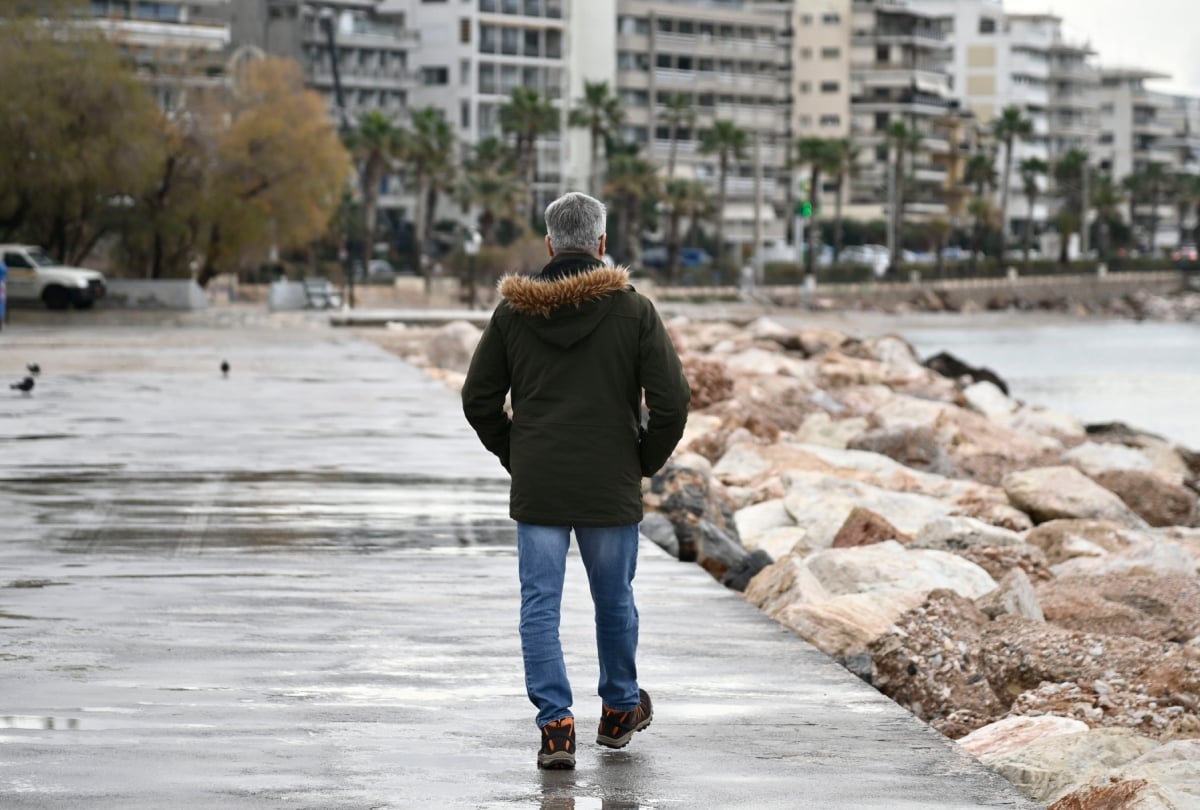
33, 275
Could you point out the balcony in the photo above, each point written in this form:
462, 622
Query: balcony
704, 43
929, 76
718, 82
144, 33
753, 117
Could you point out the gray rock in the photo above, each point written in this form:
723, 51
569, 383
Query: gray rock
658, 529
1015, 596
955, 533
1047, 493
915, 447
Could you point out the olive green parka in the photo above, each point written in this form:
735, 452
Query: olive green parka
576, 345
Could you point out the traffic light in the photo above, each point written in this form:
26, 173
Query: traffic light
804, 208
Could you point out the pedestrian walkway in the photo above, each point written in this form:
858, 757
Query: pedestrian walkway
296, 587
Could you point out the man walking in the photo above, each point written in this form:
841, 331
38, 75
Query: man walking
577, 347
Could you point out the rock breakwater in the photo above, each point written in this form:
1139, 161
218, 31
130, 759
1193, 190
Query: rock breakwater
1026, 584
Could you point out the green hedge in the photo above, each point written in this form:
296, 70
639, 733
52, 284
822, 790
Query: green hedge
785, 273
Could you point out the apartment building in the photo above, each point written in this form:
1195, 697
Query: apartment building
899, 74
731, 61
473, 53
1074, 106
178, 49
372, 47
1137, 129
999, 61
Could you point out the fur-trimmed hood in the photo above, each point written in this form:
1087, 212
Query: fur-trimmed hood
531, 296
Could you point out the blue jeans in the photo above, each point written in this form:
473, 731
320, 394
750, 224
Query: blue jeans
610, 559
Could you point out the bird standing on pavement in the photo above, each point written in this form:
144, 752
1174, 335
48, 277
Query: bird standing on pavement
34, 369
224, 368
24, 386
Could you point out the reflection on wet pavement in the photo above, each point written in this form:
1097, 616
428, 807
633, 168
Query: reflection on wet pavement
297, 586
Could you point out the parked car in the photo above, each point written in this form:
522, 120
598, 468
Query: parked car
688, 257
34, 275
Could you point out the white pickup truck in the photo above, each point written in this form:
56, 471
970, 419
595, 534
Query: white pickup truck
33, 275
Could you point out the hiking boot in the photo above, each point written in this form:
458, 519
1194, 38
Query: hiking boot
558, 745
617, 728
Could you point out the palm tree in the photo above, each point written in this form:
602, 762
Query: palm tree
904, 141
1187, 197
678, 113
1008, 128
843, 165
817, 154
600, 113
1156, 179
525, 116
728, 142
375, 145
683, 198
489, 181
940, 229
632, 181
1068, 179
1106, 199
427, 151
1031, 170
980, 175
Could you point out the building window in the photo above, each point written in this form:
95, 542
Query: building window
509, 41
464, 115
489, 39
831, 53
831, 19
987, 25
464, 31
805, 87
1106, 138
487, 77
806, 53
435, 75
830, 87
464, 72
487, 5
831, 120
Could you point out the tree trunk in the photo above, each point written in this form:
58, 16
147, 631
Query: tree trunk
1154, 201
671, 152
837, 222
594, 178
724, 171
1008, 149
814, 235
673, 246
1028, 237
210, 269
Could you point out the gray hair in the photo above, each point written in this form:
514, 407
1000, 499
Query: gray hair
576, 221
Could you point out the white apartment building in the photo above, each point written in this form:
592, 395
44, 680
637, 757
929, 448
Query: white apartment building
1005, 60
1074, 97
731, 61
1138, 127
177, 49
472, 54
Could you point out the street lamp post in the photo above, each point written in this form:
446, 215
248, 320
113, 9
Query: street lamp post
325, 19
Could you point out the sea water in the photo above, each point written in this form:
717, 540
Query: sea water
1144, 374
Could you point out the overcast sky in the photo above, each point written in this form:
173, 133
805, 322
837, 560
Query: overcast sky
1157, 34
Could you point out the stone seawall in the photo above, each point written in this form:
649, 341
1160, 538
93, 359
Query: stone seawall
1089, 289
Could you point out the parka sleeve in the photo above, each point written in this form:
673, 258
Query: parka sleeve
667, 393
484, 390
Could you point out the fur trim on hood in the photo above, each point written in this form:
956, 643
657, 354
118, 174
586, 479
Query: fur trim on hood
529, 296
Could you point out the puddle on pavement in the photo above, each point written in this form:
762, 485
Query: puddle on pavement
26, 722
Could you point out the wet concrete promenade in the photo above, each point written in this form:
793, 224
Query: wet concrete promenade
295, 587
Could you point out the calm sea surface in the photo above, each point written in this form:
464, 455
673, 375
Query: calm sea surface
1144, 374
